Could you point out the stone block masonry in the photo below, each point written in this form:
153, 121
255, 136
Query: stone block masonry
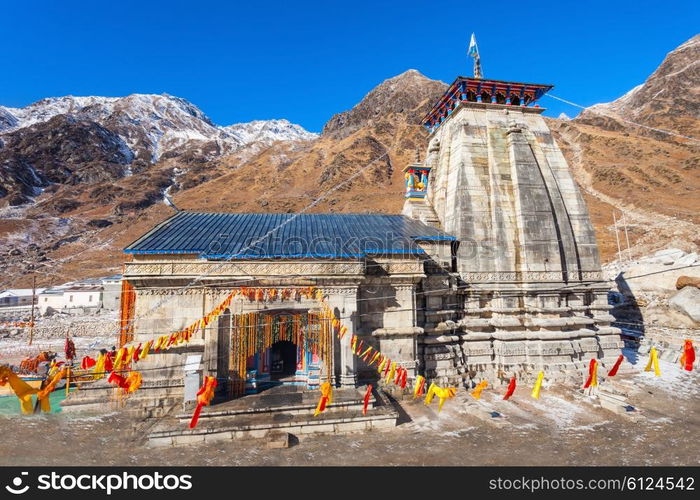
527, 288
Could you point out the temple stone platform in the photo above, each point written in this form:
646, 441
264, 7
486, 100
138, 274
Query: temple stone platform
98, 396
287, 409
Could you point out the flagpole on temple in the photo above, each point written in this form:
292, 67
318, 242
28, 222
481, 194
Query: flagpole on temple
473, 51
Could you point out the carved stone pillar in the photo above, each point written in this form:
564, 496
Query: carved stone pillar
343, 301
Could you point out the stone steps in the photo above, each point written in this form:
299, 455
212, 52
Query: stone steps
146, 402
258, 423
617, 403
298, 409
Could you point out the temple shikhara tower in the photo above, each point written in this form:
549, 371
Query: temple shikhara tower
492, 270
528, 290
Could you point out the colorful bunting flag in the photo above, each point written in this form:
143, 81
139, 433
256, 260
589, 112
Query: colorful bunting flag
688, 356
511, 389
443, 393
538, 385
616, 366
204, 397
653, 361
419, 388
476, 393
326, 398
392, 372
368, 393
592, 380
87, 363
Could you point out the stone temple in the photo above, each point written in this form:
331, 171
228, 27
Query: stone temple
527, 291
491, 270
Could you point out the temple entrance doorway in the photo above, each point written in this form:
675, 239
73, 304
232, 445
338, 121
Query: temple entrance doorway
278, 347
283, 360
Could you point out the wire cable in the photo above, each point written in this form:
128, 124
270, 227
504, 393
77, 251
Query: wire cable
618, 117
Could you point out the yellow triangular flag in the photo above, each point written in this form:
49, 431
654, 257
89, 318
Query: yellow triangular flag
653, 361
538, 385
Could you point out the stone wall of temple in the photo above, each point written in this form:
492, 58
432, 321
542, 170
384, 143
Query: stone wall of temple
501, 185
373, 299
529, 294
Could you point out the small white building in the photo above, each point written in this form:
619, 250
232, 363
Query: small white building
18, 297
51, 300
82, 296
72, 298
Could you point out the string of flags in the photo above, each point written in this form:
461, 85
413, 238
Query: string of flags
391, 372
398, 375
119, 365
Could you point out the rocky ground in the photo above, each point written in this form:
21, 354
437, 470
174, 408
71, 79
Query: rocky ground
564, 427
659, 290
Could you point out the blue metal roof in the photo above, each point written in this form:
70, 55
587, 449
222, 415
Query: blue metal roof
264, 236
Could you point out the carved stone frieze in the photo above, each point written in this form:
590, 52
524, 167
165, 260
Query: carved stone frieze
247, 268
528, 276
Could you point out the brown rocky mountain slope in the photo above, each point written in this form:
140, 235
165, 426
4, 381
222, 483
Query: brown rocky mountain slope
81, 229
70, 151
650, 176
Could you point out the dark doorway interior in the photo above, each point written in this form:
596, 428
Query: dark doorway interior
223, 351
283, 360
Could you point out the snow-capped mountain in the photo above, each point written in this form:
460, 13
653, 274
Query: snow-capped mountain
268, 131
617, 106
68, 140
153, 126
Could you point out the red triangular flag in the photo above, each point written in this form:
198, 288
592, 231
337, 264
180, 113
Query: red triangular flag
613, 370
366, 402
511, 388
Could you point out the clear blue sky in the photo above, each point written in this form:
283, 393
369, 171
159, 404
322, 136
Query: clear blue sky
305, 60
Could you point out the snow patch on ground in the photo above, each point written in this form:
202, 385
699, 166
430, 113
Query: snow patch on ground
679, 383
560, 411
